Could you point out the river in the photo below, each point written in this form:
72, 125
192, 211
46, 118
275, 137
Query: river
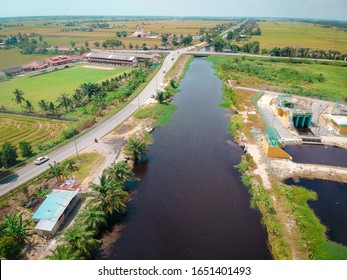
331, 206
190, 202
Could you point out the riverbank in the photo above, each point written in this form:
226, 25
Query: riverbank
294, 232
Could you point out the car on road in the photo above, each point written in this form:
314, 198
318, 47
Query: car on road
41, 160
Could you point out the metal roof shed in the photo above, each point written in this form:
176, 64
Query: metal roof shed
52, 212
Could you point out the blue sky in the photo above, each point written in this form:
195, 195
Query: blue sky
323, 9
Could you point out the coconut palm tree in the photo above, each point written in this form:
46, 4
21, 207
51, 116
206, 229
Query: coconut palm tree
109, 196
18, 97
160, 97
58, 171
92, 218
136, 147
52, 108
13, 225
80, 240
77, 98
64, 253
120, 172
43, 105
64, 101
28, 106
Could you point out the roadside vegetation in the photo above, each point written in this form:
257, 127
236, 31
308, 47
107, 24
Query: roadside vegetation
105, 204
89, 103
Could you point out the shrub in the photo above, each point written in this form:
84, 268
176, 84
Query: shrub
69, 133
9, 248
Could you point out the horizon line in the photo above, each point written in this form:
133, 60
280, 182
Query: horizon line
172, 16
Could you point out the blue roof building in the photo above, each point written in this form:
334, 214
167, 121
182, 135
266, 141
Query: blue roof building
53, 211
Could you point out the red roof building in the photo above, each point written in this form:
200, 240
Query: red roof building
59, 60
35, 65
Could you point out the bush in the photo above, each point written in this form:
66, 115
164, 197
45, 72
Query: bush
69, 133
9, 248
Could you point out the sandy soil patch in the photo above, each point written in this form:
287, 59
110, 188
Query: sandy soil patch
97, 67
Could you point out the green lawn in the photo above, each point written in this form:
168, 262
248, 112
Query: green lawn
13, 57
299, 34
325, 80
49, 86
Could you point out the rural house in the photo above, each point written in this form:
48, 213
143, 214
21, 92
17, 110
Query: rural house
53, 211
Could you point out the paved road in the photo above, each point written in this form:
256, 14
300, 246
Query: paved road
225, 33
99, 131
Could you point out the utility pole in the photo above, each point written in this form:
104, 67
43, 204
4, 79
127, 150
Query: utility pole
76, 149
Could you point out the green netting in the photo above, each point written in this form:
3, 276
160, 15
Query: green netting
273, 136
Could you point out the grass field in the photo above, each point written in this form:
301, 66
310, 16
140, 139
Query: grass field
298, 34
53, 34
37, 131
281, 75
49, 86
13, 57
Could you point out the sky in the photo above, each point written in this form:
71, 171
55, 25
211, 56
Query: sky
315, 9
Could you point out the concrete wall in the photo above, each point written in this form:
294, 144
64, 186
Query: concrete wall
274, 152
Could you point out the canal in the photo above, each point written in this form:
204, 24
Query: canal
331, 206
190, 202
318, 154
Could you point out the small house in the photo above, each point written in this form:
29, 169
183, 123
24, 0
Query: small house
53, 211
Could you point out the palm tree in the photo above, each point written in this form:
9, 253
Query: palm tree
43, 106
18, 97
70, 164
77, 97
109, 196
51, 108
64, 101
13, 225
80, 240
92, 218
64, 253
29, 106
136, 147
120, 172
58, 171
160, 97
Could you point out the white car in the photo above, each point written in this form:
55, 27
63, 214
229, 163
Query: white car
41, 160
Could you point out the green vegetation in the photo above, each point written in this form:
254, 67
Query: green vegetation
8, 155
236, 124
14, 232
313, 233
162, 113
13, 57
136, 147
230, 97
106, 200
287, 33
324, 80
49, 86
36, 131
261, 199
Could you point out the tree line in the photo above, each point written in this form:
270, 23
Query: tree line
92, 98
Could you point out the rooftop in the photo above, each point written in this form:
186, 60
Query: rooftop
340, 120
112, 56
13, 69
36, 64
54, 205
